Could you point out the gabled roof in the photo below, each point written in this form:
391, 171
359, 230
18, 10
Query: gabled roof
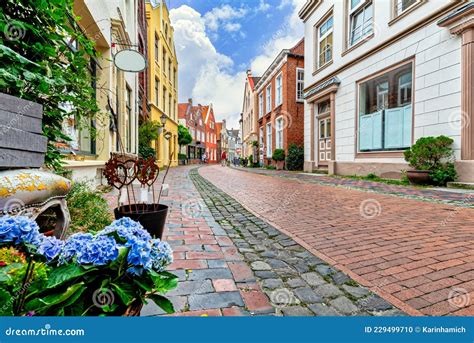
182, 110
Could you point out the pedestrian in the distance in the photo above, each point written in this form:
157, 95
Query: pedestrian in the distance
223, 159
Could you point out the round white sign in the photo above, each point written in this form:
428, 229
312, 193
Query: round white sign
130, 60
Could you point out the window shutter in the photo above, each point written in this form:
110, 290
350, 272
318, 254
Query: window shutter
407, 125
394, 128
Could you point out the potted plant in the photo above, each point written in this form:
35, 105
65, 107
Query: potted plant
433, 161
114, 272
182, 158
279, 157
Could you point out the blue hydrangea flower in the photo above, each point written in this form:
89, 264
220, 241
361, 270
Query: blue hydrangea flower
161, 255
50, 247
73, 245
127, 229
18, 230
98, 251
139, 254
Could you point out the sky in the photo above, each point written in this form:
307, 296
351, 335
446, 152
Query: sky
217, 41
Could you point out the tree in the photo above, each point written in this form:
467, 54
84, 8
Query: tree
38, 62
184, 137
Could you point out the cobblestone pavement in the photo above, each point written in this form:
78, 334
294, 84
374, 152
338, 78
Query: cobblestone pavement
417, 255
466, 198
232, 263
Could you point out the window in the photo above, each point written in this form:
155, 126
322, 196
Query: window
269, 140
157, 91
169, 69
260, 105
324, 48
261, 136
170, 108
402, 5
386, 111
269, 98
164, 62
164, 100
360, 20
128, 106
279, 90
299, 84
279, 133
157, 56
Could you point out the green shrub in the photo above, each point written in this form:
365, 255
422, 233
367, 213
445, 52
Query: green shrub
435, 155
182, 157
278, 155
89, 210
255, 143
146, 151
270, 167
295, 158
371, 176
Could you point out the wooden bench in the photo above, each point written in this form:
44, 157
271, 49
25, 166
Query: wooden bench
24, 188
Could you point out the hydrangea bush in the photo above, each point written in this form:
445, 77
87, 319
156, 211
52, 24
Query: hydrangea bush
101, 274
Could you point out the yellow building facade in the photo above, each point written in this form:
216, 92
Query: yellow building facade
163, 79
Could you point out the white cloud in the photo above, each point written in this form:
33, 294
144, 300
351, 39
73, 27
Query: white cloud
223, 16
204, 73
263, 6
207, 75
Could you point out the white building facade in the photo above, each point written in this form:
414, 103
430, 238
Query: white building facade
381, 74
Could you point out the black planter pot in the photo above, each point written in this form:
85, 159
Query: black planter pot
152, 217
419, 177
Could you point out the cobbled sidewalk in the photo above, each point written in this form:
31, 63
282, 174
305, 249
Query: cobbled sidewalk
296, 282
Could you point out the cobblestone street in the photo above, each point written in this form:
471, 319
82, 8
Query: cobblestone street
415, 254
232, 263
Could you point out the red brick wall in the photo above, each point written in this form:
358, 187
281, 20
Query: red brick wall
291, 110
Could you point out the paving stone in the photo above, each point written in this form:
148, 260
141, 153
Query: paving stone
272, 283
266, 274
313, 279
217, 264
344, 305
339, 278
357, 292
241, 272
269, 253
323, 310
260, 265
151, 309
277, 264
214, 273
251, 257
192, 287
374, 303
324, 269
296, 282
328, 291
296, 311
307, 295
215, 300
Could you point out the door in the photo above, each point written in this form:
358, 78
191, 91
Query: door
324, 141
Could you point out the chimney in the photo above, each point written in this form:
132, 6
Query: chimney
190, 101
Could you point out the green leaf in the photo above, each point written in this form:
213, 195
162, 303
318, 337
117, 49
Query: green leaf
126, 292
144, 284
164, 281
6, 303
58, 298
162, 302
66, 273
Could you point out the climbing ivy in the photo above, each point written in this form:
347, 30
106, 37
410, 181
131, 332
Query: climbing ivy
45, 58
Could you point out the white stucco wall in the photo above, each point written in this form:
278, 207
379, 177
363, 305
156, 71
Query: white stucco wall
437, 72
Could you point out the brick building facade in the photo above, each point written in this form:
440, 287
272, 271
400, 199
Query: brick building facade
279, 104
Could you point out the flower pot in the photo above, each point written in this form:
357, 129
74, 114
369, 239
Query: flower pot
419, 177
280, 165
152, 217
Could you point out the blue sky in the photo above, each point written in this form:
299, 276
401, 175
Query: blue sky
218, 40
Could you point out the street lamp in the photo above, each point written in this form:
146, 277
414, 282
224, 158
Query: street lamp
163, 119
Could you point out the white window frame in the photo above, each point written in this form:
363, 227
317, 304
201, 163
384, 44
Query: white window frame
398, 6
298, 82
269, 140
268, 93
362, 5
279, 133
279, 90
261, 136
260, 105
382, 95
319, 39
